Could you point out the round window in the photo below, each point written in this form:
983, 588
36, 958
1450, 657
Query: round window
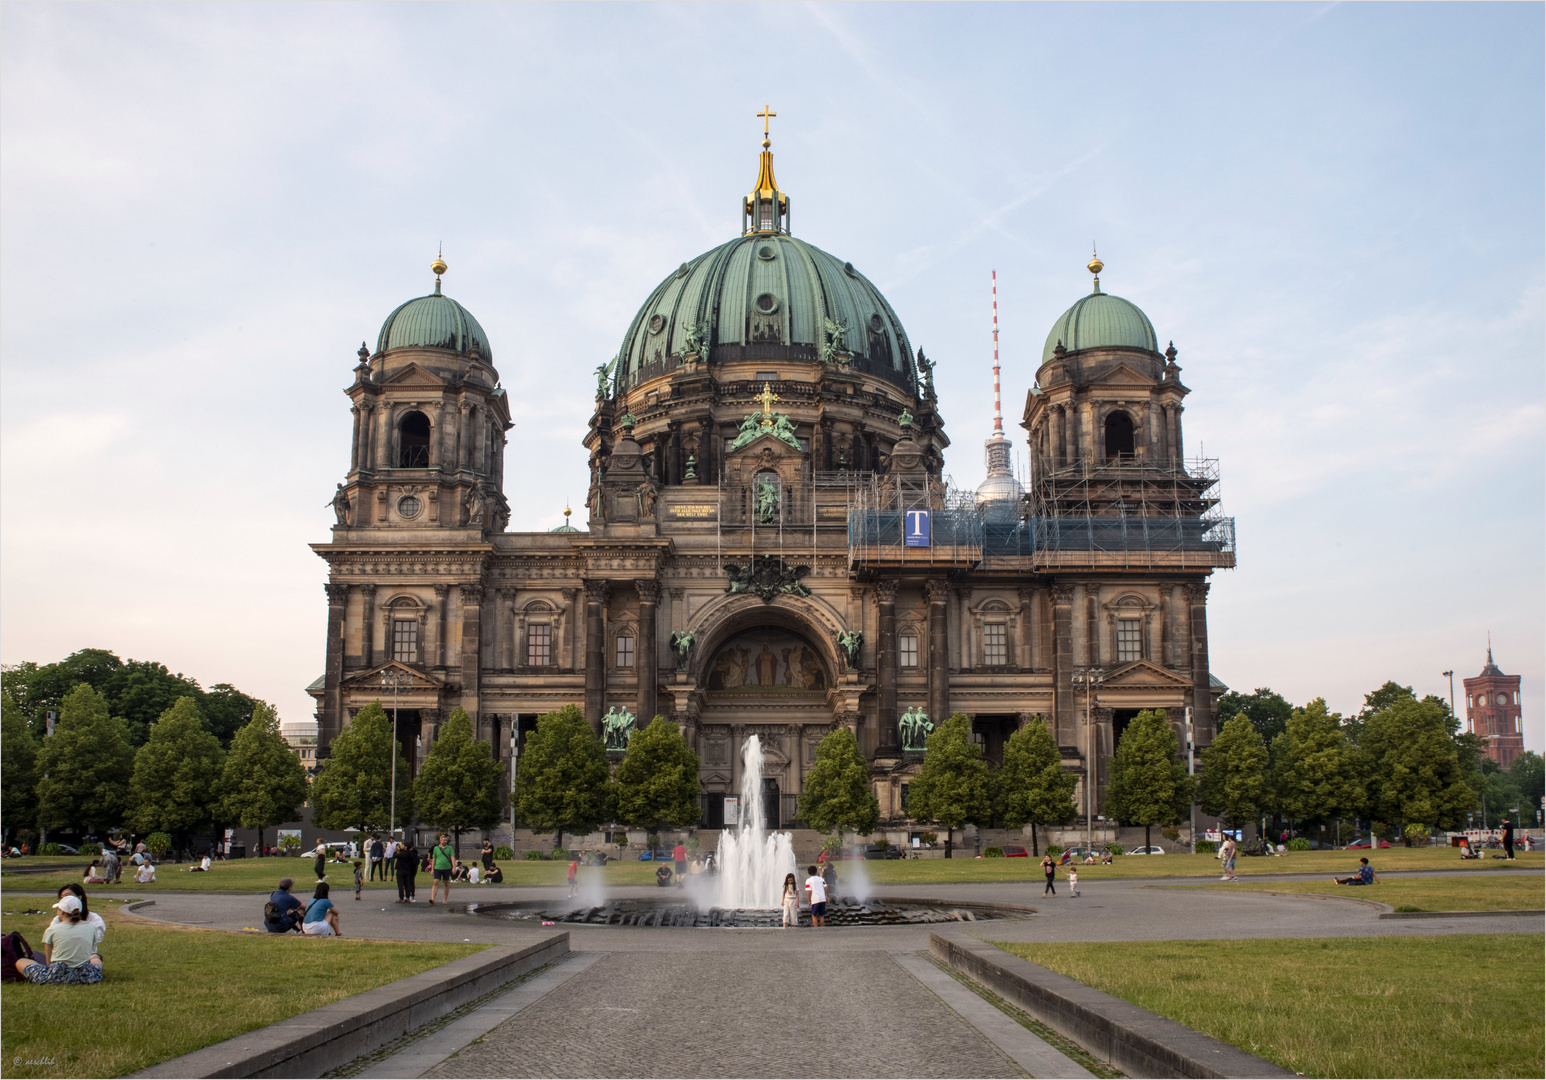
408, 506
876, 323
767, 303
657, 323
848, 268
681, 271
766, 252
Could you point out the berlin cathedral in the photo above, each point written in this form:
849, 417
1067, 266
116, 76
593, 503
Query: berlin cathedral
771, 545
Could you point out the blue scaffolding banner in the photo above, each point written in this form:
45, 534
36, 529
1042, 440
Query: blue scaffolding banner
918, 528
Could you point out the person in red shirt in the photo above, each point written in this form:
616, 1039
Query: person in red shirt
679, 857
574, 878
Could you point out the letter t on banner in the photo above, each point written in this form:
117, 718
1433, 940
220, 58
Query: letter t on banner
918, 523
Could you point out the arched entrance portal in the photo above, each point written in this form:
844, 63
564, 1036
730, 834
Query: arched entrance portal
770, 681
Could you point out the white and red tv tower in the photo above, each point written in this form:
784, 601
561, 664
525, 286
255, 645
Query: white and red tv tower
1001, 484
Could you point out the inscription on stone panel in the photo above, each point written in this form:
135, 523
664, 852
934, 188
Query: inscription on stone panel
694, 512
831, 513
714, 751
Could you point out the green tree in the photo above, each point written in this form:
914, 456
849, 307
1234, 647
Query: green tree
264, 782
18, 769
1233, 785
37, 689
1267, 710
1528, 772
1416, 774
838, 794
952, 785
176, 784
141, 691
561, 778
1149, 785
656, 783
458, 784
226, 711
84, 768
1031, 787
353, 789
1315, 776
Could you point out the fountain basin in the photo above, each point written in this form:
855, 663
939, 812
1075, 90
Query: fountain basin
683, 914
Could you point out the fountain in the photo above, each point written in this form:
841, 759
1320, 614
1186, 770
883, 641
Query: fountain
753, 861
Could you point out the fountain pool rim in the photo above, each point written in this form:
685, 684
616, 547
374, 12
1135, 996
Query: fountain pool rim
982, 911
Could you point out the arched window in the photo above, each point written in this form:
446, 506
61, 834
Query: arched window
1119, 436
413, 441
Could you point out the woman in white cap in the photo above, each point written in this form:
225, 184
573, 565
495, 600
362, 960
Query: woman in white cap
89, 917
69, 950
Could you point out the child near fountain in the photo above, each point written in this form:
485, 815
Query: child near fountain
816, 885
791, 902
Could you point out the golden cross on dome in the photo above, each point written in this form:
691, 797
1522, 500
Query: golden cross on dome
766, 114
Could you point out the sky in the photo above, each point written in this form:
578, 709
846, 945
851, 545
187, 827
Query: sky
1333, 210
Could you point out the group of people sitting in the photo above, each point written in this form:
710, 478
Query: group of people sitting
285, 912
72, 945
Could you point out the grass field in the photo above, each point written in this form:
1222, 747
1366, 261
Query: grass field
1451, 1006
259, 875
169, 991
1496, 893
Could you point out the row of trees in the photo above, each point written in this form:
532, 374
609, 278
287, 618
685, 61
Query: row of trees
89, 777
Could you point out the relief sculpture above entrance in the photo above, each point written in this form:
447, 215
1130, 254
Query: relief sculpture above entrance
763, 662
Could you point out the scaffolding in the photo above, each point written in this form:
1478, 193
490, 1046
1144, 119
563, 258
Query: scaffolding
884, 517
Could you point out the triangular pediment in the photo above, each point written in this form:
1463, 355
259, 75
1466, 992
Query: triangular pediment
714, 778
766, 442
1124, 375
410, 679
1143, 673
414, 375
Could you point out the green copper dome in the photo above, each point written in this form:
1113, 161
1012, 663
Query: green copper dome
1099, 321
766, 297
433, 322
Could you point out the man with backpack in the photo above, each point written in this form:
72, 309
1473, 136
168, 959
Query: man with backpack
377, 853
284, 910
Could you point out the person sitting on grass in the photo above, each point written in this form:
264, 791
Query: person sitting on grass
495, 875
1105, 858
283, 911
1467, 851
69, 950
321, 918
202, 868
146, 874
460, 871
1365, 875
90, 918
94, 875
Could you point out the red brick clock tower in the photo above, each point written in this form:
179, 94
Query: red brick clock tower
1492, 707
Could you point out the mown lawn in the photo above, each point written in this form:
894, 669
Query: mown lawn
1495, 893
1459, 1005
169, 991
260, 875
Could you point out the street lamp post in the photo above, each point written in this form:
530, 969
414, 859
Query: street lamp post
1450, 675
1190, 772
1089, 678
394, 679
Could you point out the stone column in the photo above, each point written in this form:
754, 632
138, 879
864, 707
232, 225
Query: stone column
331, 721
1027, 628
566, 655
1177, 410
442, 592
1063, 664
645, 661
354, 438
596, 593
674, 454
937, 593
889, 737
506, 629
1092, 624
472, 645
963, 655
1197, 624
368, 625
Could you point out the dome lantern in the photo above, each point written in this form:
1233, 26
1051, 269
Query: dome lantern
766, 210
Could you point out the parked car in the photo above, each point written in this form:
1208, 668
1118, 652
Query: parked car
882, 851
657, 854
69, 849
1364, 844
1153, 849
1011, 852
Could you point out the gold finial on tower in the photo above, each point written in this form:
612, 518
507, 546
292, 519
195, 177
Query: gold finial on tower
766, 114
439, 267
567, 512
766, 209
1095, 266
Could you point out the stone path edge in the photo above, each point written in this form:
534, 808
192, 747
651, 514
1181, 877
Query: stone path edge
1134, 1040
314, 1042
1538, 912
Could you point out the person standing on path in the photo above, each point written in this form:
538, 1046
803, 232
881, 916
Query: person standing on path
442, 859
377, 854
320, 858
407, 871
1073, 880
389, 859
1508, 839
1049, 868
816, 886
1227, 853
791, 899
